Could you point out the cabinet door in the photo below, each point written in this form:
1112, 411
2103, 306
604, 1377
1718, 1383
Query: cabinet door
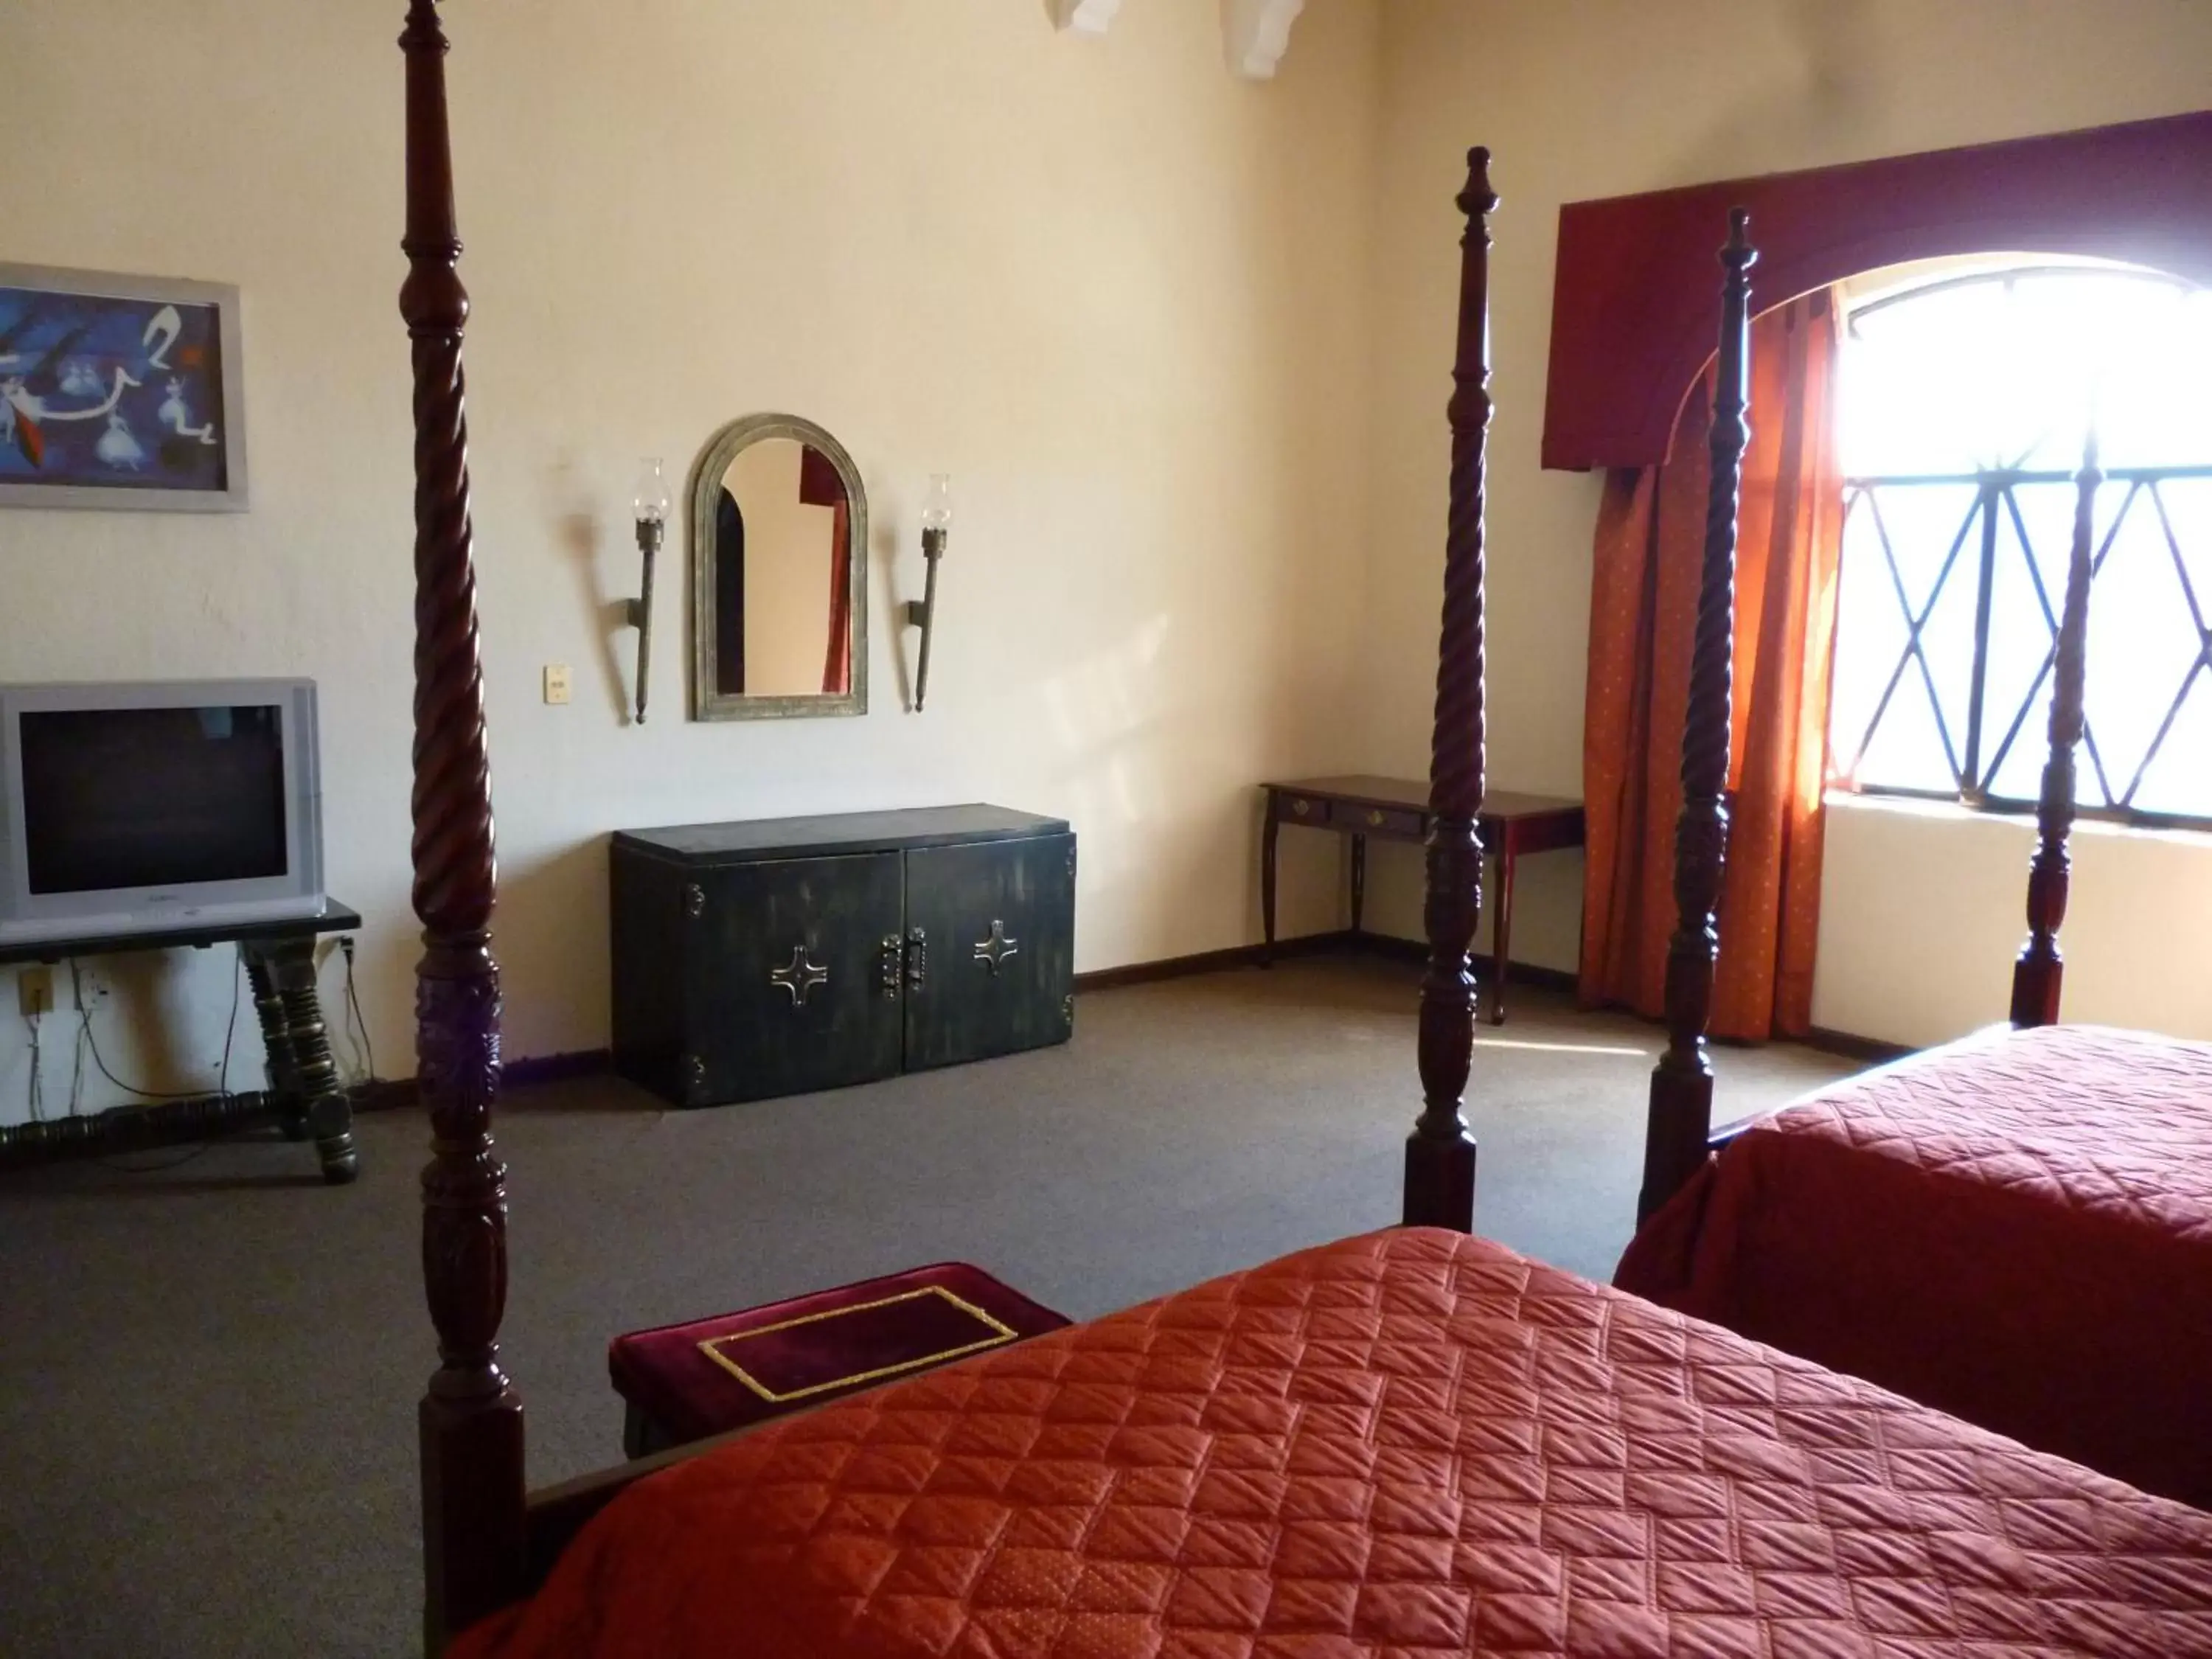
793, 976
996, 923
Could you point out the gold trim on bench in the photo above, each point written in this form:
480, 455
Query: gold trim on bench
712, 1347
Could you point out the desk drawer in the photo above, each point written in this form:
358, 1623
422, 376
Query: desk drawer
1300, 809
1398, 822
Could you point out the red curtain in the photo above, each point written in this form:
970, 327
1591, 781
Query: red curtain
1650, 547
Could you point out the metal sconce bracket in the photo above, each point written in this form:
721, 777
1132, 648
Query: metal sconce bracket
922, 612
640, 610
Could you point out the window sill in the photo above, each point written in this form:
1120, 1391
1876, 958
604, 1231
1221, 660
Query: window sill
1951, 812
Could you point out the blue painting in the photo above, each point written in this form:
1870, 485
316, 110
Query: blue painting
112, 392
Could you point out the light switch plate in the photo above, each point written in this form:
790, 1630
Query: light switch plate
557, 681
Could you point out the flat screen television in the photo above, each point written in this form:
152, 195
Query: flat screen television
130, 808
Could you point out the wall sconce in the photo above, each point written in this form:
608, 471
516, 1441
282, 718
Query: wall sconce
936, 526
651, 509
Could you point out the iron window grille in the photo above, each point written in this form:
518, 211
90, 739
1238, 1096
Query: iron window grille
1951, 579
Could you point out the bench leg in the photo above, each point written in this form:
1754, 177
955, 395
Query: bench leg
641, 1436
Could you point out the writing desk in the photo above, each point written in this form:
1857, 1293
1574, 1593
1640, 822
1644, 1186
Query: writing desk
1397, 809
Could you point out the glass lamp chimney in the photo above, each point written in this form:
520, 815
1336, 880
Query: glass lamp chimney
651, 500
937, 503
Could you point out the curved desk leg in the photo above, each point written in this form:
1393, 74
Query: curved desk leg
1267, 838
1501, 957
302, 1073
1358, 882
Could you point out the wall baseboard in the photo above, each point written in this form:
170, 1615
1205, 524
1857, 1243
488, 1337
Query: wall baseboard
1848, 1046
385, 1094
1343, 942
1208, 962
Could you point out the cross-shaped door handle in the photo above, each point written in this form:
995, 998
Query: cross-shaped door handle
799, 977
997, 948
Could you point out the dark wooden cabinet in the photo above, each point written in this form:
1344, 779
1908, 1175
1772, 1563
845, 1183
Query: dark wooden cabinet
780, 956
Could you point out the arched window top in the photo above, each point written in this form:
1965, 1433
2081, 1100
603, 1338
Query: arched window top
2004, 368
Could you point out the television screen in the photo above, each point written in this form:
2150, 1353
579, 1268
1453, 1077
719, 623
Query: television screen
125, 798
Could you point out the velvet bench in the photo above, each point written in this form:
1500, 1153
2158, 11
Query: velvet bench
682, 1382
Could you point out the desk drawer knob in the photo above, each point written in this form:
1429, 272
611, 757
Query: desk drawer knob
1302, 807
1373, 818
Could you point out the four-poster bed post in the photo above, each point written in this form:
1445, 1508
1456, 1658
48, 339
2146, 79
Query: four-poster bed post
471, 1421
1440, 1153
2037, 975
1681, 1107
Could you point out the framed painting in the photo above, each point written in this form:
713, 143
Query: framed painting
119, 392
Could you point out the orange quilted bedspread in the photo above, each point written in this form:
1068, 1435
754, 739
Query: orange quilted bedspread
2016, 1229
1404, 1446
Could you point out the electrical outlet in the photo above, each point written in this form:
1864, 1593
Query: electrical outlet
92, 988
35, 986
557, 681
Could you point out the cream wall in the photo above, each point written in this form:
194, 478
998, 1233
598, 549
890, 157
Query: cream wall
1118, 293
1588, 98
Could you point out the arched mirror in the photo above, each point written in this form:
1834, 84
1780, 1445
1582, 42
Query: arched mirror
779, 575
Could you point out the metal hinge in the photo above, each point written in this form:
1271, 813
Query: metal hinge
695, 1069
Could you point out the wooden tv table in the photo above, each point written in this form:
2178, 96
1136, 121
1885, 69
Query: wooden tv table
303, 1096
1397, 809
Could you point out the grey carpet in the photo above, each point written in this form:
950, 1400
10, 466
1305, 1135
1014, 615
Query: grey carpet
208, 1373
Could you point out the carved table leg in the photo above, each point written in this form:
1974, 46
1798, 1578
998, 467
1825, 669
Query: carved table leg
301, 1071
1501, 956
1267, 839
1358, 882
276, 1043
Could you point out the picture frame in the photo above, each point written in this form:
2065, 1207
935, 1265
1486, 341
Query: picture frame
120, 392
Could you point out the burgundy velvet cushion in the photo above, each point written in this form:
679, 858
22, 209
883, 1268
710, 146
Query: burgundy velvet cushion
714, 1375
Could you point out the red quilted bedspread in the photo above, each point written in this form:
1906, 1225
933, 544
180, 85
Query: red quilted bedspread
1404, 1446
2017, 1228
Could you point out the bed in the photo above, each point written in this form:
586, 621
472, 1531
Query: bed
1412, 1443
2016, 1227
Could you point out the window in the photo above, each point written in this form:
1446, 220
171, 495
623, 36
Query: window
1963, 404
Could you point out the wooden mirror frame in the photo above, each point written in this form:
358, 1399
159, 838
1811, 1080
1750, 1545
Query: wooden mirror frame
706, 703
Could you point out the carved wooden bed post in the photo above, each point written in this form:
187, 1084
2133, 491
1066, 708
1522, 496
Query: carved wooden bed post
1440, 1152
471, 1419
2039, 972
1682, 1082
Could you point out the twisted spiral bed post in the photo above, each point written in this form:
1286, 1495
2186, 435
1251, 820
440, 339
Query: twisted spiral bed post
1440, 1153
471, 1419
1681, 1105
2039, 974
